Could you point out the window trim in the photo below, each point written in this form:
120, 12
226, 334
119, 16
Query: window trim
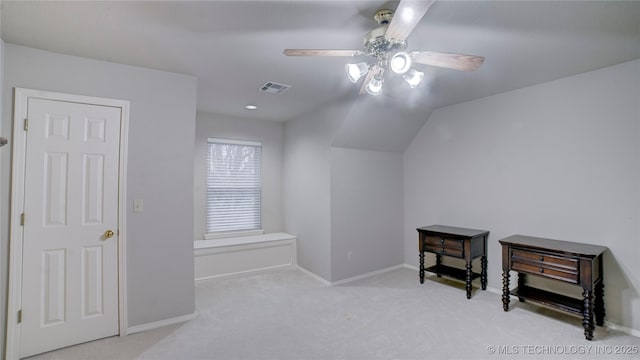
234, 142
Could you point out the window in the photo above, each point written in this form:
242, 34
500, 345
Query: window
234, 191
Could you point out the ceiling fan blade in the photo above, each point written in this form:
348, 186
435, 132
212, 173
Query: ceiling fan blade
405, 18
447, 60
321, 52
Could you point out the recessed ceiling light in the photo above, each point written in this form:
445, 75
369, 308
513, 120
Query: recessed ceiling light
251, 107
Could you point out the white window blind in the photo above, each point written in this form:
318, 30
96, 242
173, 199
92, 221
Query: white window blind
234, 190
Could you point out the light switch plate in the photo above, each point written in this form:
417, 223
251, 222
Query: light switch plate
138, 205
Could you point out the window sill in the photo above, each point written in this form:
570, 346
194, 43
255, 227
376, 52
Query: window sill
224, 242
233, 234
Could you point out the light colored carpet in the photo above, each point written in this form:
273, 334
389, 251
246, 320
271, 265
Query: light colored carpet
289, 315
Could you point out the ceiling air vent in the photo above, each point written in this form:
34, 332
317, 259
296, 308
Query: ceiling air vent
273, 88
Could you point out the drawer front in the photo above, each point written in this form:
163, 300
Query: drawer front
545, 260
444, 250
439, 241
553, 273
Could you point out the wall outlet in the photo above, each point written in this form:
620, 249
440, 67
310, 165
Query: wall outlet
349, 255
138, 205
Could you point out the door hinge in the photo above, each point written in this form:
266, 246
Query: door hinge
26, 124
22, 219
19, 316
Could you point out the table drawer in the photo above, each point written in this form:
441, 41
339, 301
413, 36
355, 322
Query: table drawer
541, 270
439, 241
543, 259
444, 250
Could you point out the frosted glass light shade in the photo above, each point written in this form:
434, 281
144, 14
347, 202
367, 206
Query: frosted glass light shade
375, 86
413, 77
356, 71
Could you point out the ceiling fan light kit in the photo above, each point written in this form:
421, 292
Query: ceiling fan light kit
386, 44
413, 77
356, 71
400, 62
374, 87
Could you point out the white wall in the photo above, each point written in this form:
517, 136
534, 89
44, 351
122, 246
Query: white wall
339, 200
366, 211
307, 198
160, 168
558, 160
270, 133
379, 123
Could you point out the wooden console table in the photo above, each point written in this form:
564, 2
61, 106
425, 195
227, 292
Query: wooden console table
569, 262
461, 243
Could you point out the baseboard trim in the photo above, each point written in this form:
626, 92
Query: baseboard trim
315, 276
161, 323
366, 275
410, 267
622, 328
348, 280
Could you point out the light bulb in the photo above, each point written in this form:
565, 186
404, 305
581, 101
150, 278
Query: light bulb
375, 86
400, 62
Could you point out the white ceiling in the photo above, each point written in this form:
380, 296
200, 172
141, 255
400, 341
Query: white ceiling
233, 47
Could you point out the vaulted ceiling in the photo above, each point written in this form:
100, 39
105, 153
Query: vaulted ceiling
234, 47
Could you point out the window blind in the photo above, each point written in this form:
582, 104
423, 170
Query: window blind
234, 191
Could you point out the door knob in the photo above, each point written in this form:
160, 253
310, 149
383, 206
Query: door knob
108, 234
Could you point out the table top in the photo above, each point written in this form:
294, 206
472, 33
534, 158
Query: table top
558, 245
450, 230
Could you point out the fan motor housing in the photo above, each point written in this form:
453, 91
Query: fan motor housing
383, 16
376, 44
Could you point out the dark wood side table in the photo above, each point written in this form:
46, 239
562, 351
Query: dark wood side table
456, 242
569, 262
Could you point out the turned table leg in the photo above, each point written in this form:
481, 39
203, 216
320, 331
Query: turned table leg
421, 267
521, 280
505, 290
438, 263
599, 304
587, 314
469, 273
483, 272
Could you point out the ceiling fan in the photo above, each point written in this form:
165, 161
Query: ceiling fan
387, 44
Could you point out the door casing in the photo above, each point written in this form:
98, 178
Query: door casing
21, 97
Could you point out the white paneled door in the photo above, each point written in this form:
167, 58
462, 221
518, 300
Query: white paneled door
70, 238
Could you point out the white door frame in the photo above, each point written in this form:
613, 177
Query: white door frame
21, 97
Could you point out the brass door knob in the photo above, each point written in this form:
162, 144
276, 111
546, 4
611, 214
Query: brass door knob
108, 234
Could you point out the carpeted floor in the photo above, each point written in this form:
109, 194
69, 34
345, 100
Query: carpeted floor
289, 315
